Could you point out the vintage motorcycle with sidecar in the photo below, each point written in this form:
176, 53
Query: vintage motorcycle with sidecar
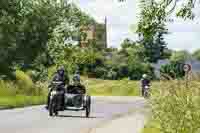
73, 98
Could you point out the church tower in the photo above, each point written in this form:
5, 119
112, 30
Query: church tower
106, 43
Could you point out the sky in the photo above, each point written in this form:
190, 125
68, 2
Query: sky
122, 19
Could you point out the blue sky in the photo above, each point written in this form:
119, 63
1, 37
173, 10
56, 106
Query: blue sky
122, 18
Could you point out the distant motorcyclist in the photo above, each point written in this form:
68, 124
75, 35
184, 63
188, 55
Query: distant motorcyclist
144, 82
60, 76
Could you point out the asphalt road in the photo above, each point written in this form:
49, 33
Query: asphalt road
36, 119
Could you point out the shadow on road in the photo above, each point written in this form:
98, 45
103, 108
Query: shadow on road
91, 117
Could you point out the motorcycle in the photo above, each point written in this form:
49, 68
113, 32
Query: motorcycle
56, 98
146, 91
75, 99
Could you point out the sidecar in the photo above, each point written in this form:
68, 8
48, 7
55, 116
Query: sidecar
75, 99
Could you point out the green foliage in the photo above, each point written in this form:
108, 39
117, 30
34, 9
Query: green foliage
151, 29
22, 92
51, 71
135, 60
127, 43
196, 54
21, 101
180, 56
151, 127
24, 82
101, 72
7, 88
123, 70
176, 107
137, 70
97, 87
173, 70
28, 29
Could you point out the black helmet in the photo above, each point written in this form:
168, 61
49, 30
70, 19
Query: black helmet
77, 72
76, 78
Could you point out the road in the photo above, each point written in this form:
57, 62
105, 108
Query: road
36, 120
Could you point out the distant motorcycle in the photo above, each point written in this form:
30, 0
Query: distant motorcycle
146, 91
75, 99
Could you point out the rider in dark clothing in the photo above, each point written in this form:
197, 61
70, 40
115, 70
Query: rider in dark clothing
62, 76
76, 76
144, 82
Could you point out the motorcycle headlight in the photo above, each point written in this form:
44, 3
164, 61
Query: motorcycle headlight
53, 93
146, 87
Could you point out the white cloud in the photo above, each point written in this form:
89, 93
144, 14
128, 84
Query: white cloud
184, 40
184, 27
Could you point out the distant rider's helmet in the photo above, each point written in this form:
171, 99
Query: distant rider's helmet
77, 72
76, 79
144, 76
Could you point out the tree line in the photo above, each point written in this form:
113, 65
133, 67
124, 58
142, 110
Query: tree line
36, 36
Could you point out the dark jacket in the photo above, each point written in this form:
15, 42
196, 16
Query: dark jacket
145, 82
63, 78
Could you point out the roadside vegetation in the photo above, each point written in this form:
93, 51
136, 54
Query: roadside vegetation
175, 107
98, 87
21, 92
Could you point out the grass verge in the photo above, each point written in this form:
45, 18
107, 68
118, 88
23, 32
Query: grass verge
97, 87
150, 127
20, 101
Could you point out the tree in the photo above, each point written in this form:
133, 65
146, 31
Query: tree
151, 29
33, 32
172, 71
25, 27
127, 43
133, 53
196, 54
175, 68
180, 56
185, 10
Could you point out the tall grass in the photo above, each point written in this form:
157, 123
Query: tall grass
21, 101
175, 107
98, 87
22, 92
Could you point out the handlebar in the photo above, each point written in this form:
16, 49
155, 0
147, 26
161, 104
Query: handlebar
57, 82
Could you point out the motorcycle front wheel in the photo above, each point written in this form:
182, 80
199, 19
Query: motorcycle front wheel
52, 108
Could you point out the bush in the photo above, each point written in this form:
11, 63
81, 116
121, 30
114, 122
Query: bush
51, 71
136, 70
123, 71
101, 72
176, 107
22, 92
7, 88
24, 83
172, 70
